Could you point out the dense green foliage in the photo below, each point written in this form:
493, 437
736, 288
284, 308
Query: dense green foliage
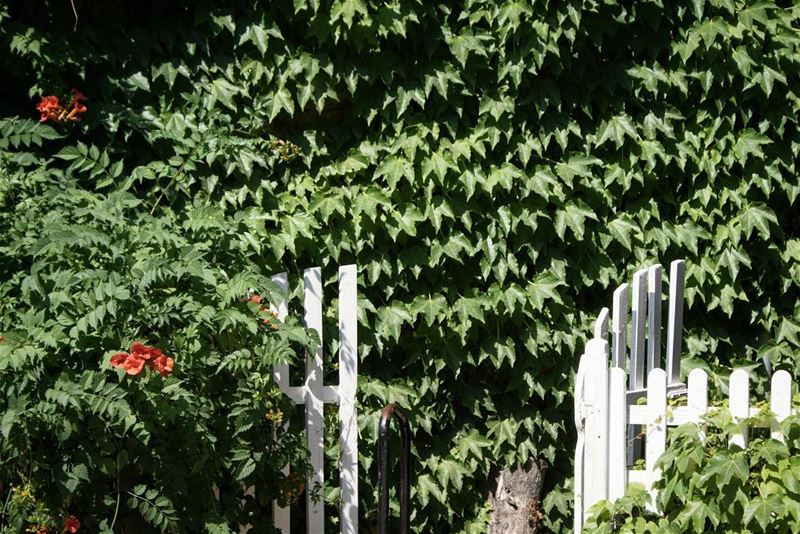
82, 276
707, 486
494, 168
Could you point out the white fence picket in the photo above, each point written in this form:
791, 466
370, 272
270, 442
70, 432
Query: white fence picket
580, 444
315, 511
606, 408
780, 402
653, 318
601, 324
617, 433
636, 370
657, 422
596, 446
697, 399
638, 316
739, 405
677, 271
619, 327
314, 394
281, 514
348, 377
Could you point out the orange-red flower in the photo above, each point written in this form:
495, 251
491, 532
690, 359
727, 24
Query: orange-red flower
71, 524
50, 108
163, 365
141, 355
77, 106
254, 298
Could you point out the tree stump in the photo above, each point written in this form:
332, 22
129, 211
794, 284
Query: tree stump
516, 500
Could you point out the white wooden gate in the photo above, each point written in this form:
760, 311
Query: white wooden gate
314, 394
608, 414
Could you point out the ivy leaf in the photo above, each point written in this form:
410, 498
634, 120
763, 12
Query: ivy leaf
573, 216
749, 143
391, 319
281, 101
224, 91
543, 287
757, 216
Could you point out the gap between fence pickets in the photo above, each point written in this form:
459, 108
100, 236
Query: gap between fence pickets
314, 394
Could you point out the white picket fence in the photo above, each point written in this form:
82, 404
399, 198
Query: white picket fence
314, 394
608, 414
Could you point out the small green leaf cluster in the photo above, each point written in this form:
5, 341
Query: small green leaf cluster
84, 274
707, 486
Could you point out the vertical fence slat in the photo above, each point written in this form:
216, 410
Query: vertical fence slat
281, 514
312, 282
638, 313
780, 402
596, 392
739, 405
619, 327
636, 377
348, 376
697, 397
677, 271
698, 391
617, 434
601, 324
657, 422
654, 318
580, 444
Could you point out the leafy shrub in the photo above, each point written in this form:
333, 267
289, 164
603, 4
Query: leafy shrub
494, 168
706, 486
84, 275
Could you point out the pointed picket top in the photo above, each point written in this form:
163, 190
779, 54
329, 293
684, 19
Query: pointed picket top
601, 325
619, 328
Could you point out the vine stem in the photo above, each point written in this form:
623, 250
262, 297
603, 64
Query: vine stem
74, 12
116, 509
175, 178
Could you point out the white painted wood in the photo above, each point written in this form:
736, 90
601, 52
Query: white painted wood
281, 514
314, 394
739, 405
697, 399
780, 402
654, 318
312, 302
657, 424
601, 324
639, 476
638, 315
580, 445
619, 327
617, 434
677, 271
637, 364
348, 378
596, 425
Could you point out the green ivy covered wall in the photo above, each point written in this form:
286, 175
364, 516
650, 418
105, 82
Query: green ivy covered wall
495, 169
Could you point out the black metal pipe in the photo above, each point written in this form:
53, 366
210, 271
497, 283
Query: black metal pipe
383, 469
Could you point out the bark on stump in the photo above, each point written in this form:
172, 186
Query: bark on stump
516, 500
